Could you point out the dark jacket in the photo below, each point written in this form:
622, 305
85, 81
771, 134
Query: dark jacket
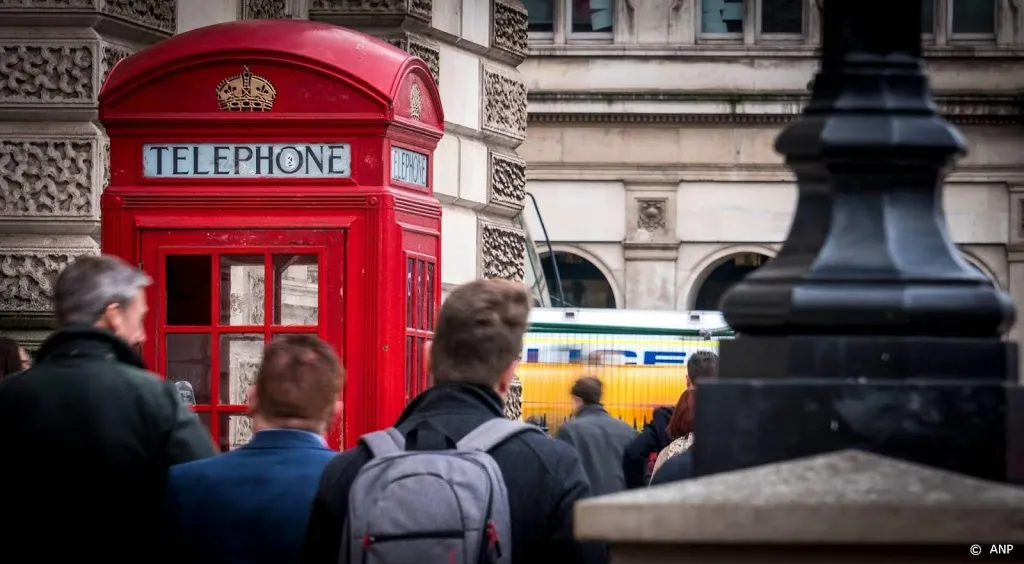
250, 505
601, 440
675, 469
651, 440
87, 436
543, 476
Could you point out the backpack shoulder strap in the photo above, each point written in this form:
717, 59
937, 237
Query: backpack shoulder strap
383, 443
492, 433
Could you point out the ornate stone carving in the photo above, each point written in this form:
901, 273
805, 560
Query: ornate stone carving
112, 53
36, 74
26, 279
423, 9
650, 214
264, 9
508, 32
47, 4
419, 47
504, 103
157, 14
430, 55
508, 181
514, 401
106, 164
503, 251
46, 178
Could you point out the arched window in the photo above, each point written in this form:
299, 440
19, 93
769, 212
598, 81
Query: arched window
722, 277
583, 284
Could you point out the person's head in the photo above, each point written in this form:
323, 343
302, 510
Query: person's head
479, 334
702, 364
297, 385
10, 357
105, 292
585, 391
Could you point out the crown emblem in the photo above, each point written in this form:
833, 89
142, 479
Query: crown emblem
246, 92
415, 101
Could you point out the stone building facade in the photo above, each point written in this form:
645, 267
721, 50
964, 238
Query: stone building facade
54, 55
652, 126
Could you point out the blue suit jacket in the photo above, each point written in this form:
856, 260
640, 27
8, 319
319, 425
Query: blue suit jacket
250, 505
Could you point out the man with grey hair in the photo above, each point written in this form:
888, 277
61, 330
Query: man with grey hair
87, 434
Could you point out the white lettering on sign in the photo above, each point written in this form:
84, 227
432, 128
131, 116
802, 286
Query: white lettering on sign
279, 160
409, 167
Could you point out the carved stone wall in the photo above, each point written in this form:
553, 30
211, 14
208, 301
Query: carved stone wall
473, 51
53, 156
506, 184
504, 103
273, 9
264, 9
327, 9
508, 32
503, 252
421, 47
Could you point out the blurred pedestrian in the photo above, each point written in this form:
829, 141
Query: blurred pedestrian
701, 365
87, 433
599, 438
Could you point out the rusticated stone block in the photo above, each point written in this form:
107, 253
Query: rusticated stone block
504, 103
502, 251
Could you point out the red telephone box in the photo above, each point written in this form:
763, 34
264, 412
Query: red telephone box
275, 177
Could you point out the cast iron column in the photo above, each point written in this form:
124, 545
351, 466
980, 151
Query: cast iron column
868, 330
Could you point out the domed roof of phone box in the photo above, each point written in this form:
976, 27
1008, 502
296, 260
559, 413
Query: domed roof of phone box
360, 57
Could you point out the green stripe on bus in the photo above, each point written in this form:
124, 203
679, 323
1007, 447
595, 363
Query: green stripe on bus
618, 330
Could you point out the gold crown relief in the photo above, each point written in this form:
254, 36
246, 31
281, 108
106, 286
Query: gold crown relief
246, 92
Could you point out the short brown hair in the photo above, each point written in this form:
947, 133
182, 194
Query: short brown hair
702, 364
588, 389
479, 332
299, 378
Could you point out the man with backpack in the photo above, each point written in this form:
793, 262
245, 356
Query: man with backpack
453, 481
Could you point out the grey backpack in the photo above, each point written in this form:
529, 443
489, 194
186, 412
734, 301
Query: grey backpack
444, 507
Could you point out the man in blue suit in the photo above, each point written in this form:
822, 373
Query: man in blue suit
251, 505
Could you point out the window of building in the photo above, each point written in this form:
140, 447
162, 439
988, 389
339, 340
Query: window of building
782, 17
540, 16
590, 16
575, 19
964, 19
721, 17
726, 19
972, 17
927, 16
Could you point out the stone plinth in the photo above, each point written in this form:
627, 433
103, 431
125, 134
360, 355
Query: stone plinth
847, 506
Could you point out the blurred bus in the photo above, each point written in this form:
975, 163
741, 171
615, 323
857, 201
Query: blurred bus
640, 357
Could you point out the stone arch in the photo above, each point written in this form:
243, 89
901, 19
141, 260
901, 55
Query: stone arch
980, 265
592, 259
707, 265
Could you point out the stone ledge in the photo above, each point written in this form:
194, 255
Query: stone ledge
567, 107
849, 497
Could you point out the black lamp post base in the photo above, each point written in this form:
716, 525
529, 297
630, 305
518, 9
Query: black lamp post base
780, 398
